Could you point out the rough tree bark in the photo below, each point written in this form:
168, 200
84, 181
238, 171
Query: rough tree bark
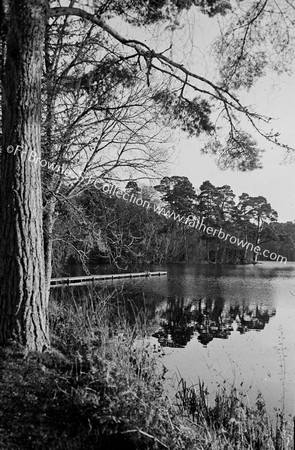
23, 296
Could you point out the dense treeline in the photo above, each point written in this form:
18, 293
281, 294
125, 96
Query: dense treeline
100, 228
284, 240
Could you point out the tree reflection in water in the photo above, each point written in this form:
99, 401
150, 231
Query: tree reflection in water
208, 319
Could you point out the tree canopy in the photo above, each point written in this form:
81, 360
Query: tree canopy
250, 42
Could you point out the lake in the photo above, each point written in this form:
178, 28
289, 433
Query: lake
225, 325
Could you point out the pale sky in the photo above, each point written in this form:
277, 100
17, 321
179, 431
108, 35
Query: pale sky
273, 96
276, 181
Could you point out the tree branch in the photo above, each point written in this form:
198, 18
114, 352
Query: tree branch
148, 54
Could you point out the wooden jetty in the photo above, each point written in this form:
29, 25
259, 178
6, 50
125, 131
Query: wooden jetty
79, 281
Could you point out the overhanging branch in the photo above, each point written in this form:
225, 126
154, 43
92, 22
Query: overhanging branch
176, 70
219, 93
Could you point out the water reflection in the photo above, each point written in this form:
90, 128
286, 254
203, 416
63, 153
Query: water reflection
207, 318
234, 324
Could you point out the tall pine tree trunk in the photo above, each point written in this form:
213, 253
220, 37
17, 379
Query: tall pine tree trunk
23, 296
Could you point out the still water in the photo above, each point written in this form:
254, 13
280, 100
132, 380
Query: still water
226, 325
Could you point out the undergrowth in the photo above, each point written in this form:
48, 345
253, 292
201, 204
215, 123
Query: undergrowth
121, 382
103, 388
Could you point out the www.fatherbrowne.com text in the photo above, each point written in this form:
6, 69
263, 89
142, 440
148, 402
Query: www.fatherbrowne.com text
190, 221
